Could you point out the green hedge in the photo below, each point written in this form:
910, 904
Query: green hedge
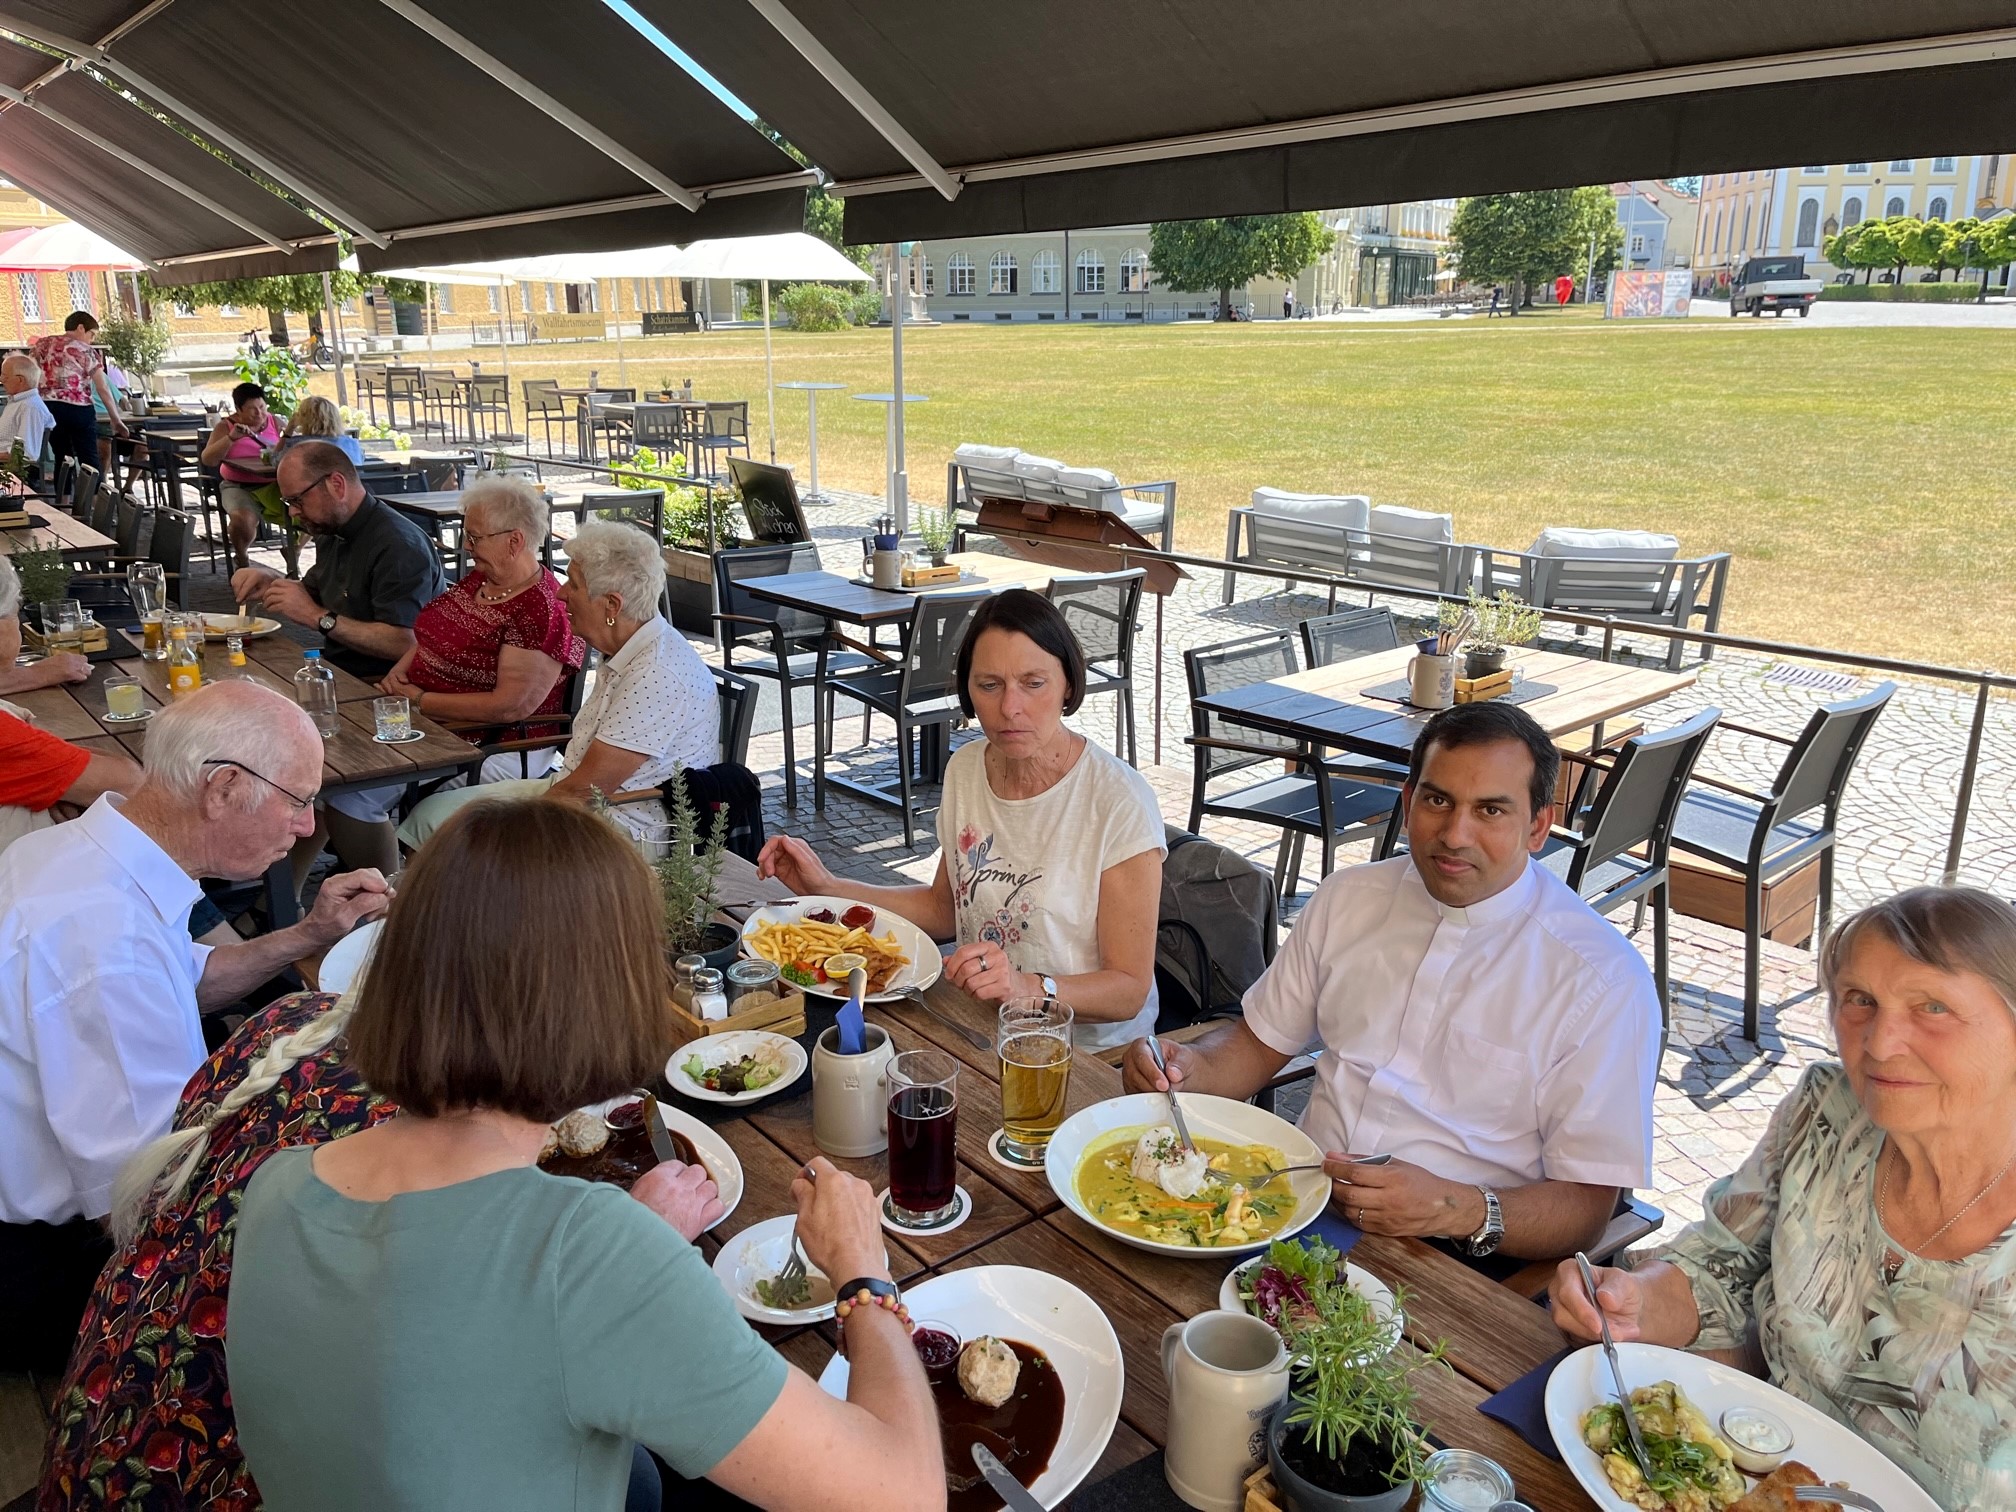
1907, 293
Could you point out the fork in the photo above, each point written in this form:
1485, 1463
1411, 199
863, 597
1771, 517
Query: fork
793, 1271
1836, 1496
1253, 1182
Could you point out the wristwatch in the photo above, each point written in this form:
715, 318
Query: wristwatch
1487, 1239
1049, 984
326, 624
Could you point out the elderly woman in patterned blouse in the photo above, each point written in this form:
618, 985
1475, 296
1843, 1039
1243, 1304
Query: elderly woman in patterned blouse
1865, 1254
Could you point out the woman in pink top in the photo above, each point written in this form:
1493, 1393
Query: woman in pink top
71, 369
241, 449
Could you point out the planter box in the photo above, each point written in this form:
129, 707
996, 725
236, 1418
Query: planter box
689, 584
1703, 890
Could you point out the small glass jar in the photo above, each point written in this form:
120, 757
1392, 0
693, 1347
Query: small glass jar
750, 983
709, 1000
1461, 1480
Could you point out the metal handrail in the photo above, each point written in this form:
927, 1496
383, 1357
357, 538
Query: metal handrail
1983, 681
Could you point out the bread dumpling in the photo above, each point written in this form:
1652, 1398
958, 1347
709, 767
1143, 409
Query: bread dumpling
1159, 1157
582, 1134
988, 1370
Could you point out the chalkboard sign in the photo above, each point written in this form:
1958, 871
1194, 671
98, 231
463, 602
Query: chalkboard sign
770, 500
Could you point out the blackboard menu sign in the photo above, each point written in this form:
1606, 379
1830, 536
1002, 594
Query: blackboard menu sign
770, 500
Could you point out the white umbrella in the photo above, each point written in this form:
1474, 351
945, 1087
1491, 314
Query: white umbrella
65, 247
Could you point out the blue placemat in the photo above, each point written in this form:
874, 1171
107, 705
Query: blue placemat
1335, 1230
1522, 1406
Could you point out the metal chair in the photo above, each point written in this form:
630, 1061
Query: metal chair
1103, 610
736, 698
918, 690
103, 585
724, 427
85, 491
1350, 633
663, 428
370, 378
1616, 850
407, 386
596, 424
1765, 836
1313, 801
788, 638
642, 507
544, 404
489, 398
442, 401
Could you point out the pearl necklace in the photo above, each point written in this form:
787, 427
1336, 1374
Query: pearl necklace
484, 595
1893, 1262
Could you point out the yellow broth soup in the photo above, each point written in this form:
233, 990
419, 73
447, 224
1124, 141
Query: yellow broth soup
1219, 1214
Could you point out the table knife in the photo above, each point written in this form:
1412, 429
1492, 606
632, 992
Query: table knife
654, 1123
1009, 1489
1616, 1370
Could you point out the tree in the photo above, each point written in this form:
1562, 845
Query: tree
298, 292
1528, 238
1923, 244
1199, 256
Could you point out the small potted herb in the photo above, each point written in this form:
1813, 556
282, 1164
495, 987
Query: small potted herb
687, 874
934, 529
44, 575
1501, 623
1346, 1439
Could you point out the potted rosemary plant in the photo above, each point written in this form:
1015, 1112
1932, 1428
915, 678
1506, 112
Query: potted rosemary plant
1500, 624
934, 530
687, 874
1346, 1438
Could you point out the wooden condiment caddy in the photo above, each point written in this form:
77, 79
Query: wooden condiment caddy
1479, 689
94, 638
1260, 1493
782, 1015
920, 577
13, 519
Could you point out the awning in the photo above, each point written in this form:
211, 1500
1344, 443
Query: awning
787, 255
63, 248
940, 120
467, 130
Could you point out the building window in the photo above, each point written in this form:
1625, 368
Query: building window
1894, 205
958, 274
1851, 210
928, 274
229, 312
1002, 274
444, 299
1637, 244
1900, 165
80, 292
1809, 223
28, 287
591, 297
1821, 169
184, 310
549, 299
1091, 272
1858, 167
1717, 244
1046, 274
1936, 210
1134, 272
1942, 165
496, 299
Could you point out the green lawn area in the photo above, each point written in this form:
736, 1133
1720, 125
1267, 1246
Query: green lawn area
1862, 478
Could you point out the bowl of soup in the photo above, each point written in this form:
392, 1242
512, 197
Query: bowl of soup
1092, 1165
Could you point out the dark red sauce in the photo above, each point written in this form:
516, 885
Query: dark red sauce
820, 916
628, 1115
937, 1349
1022, 1431
860, 916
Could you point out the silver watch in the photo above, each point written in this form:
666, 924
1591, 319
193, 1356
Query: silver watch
1487, 1239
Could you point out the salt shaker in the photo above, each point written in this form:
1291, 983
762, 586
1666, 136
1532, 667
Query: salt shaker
709, 1000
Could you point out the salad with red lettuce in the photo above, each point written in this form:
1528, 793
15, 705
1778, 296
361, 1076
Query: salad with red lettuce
1285, 1284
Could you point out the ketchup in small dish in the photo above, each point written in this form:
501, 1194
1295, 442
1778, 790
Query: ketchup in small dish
860, 916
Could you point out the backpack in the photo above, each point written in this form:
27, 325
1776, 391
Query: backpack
1216, 931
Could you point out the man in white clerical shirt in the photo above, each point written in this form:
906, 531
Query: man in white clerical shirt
1475, 1021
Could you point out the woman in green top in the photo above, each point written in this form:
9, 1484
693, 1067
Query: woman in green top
420, 1318
1865, 1254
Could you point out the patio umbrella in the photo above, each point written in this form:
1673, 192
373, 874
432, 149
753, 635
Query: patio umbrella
65, 247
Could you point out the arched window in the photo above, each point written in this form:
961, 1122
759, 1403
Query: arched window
1809, 223
1894, 205
1001, 274
920, 270
1134, 272
958, 274
1851, 210
1717, 243
1091, 272
1744, 245
1046, 274
1936, 210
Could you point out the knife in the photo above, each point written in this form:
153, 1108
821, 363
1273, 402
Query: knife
654, 1122
1009, 1489
1616, 1370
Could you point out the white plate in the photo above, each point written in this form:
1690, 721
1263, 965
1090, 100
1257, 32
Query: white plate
757, 1254
1048, 1312
1829, 1450
217, 626
720, 1049
925, 963
713, 1149
1219, 1118
1360, 1280
348, 957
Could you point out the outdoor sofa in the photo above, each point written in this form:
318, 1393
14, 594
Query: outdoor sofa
1632, 574
1368, 545
1005, 472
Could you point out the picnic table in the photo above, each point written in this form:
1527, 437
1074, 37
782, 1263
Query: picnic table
351, 758
1493, 1334
1351, 705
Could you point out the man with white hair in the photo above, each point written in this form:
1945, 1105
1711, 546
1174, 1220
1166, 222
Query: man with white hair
26, 417
101, 985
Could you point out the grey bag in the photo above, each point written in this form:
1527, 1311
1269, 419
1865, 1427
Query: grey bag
1216, 932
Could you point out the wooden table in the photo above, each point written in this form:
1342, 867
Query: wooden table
351, 758
1493, 1334
1327, 706
64, 532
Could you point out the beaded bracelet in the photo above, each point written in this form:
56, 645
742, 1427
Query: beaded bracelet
865, 1293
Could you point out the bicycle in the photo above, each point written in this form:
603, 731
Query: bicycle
311, 351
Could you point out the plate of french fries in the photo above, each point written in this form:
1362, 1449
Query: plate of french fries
815, 940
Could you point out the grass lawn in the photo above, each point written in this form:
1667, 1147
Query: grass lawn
1862, 478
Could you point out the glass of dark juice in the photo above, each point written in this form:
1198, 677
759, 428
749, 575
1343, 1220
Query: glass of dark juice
923, 1128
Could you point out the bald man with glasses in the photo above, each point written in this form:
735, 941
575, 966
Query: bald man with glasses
374, 568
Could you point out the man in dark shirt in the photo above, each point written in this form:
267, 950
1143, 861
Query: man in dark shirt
374, 568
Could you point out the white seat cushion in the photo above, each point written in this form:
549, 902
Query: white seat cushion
1037, 469
1393, 520
1349, 510
1095, 478
992, 458
1631, 545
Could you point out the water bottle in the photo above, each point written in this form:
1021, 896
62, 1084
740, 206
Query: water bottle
315, 691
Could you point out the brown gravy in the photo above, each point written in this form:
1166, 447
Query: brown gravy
1022, 1431
627, 1156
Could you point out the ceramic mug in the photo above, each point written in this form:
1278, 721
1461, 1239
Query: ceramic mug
886, 569
1432, 681
1226, 1373
850, 1094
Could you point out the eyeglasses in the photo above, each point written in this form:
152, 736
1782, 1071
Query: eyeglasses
293, 501
295, 799
470, 537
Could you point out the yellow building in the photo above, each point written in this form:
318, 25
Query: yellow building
1786, 210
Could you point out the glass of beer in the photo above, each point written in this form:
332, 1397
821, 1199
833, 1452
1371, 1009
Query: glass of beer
124, 701
63, 625
1034, 1041
923, 1134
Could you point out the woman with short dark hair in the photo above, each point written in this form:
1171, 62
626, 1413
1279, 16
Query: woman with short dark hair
1050, 873
243, 447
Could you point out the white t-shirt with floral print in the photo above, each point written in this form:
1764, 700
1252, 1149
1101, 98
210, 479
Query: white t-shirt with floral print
1025, 871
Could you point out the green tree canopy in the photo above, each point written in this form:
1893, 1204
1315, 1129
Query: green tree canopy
300, 293
1528, 238
1199, 256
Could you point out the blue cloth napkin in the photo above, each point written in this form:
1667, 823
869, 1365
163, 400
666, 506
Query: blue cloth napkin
1335, 1230
1522, 1406
888, 543
853, 1035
